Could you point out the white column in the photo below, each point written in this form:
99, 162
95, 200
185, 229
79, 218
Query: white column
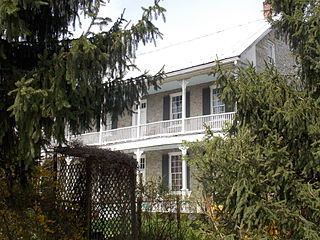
138, 121
184, 170
100, 133
138, 154
184, 103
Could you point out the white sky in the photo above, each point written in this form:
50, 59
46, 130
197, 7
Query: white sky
188, 19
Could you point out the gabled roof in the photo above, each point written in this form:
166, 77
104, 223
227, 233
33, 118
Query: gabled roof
223, 44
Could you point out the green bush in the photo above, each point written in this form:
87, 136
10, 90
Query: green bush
160, 219
33, 212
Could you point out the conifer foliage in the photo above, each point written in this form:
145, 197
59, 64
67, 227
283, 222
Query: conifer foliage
49, 80
298, 22
265, 170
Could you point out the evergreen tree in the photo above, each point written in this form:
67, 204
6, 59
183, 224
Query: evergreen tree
298, 22
265, 170
48, 80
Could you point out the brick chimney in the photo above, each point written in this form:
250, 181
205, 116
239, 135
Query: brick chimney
267, 10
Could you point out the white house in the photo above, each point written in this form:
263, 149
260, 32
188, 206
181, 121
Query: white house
188, 99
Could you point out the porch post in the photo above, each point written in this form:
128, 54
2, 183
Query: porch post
184, 103
138, 154
100, 133
184, 189
138, 122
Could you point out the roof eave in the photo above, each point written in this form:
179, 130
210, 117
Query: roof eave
195, 70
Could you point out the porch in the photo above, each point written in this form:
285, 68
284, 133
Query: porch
191, 125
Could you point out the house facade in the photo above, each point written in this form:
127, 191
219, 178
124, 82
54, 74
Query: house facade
187, 102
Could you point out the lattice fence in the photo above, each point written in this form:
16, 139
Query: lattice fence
100, 186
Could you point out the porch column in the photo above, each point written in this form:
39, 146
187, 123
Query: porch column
184, 189
138, 154
184, 84
138, 122
100, 133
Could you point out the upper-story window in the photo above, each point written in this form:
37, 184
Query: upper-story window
217, 105
108, 125
176, 106
143, 113
143, 105
270, 52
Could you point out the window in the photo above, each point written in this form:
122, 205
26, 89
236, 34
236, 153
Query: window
108, 125
175, 172
143, 105
270, 53
142, 169
176, 106
217, 105
142, 164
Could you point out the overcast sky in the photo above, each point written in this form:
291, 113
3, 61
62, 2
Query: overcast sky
187, 19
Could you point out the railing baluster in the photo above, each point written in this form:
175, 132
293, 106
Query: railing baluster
192, 124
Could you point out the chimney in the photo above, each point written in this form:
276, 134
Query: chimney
267, 10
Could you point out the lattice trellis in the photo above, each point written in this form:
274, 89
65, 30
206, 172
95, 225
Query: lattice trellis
100, 186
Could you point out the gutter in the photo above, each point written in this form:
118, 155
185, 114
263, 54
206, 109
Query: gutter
204, 68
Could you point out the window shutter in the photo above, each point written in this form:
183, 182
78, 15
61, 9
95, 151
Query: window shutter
165, 170
206, 101
188, 173
114, 123
188, 104
188, 177
166, 107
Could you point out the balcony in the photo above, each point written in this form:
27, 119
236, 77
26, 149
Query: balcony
175, 127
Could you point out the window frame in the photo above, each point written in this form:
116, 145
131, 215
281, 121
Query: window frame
108, 125
134, 116
271, 55
174, 154
212, 88
143, 156
171, 98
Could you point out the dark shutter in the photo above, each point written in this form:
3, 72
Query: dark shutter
188, 104
165, 170
188, 177
166, 107
114, 123
206, 101
188, 173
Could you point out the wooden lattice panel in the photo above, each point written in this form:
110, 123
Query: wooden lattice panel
101, 194
112, 202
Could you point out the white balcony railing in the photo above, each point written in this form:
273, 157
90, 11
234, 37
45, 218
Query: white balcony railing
170, 127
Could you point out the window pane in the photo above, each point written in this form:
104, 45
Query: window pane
176, 173
142, 163
108, 125
218, 105
270, 53
176, 107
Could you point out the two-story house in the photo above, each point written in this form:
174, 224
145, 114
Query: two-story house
188, 100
